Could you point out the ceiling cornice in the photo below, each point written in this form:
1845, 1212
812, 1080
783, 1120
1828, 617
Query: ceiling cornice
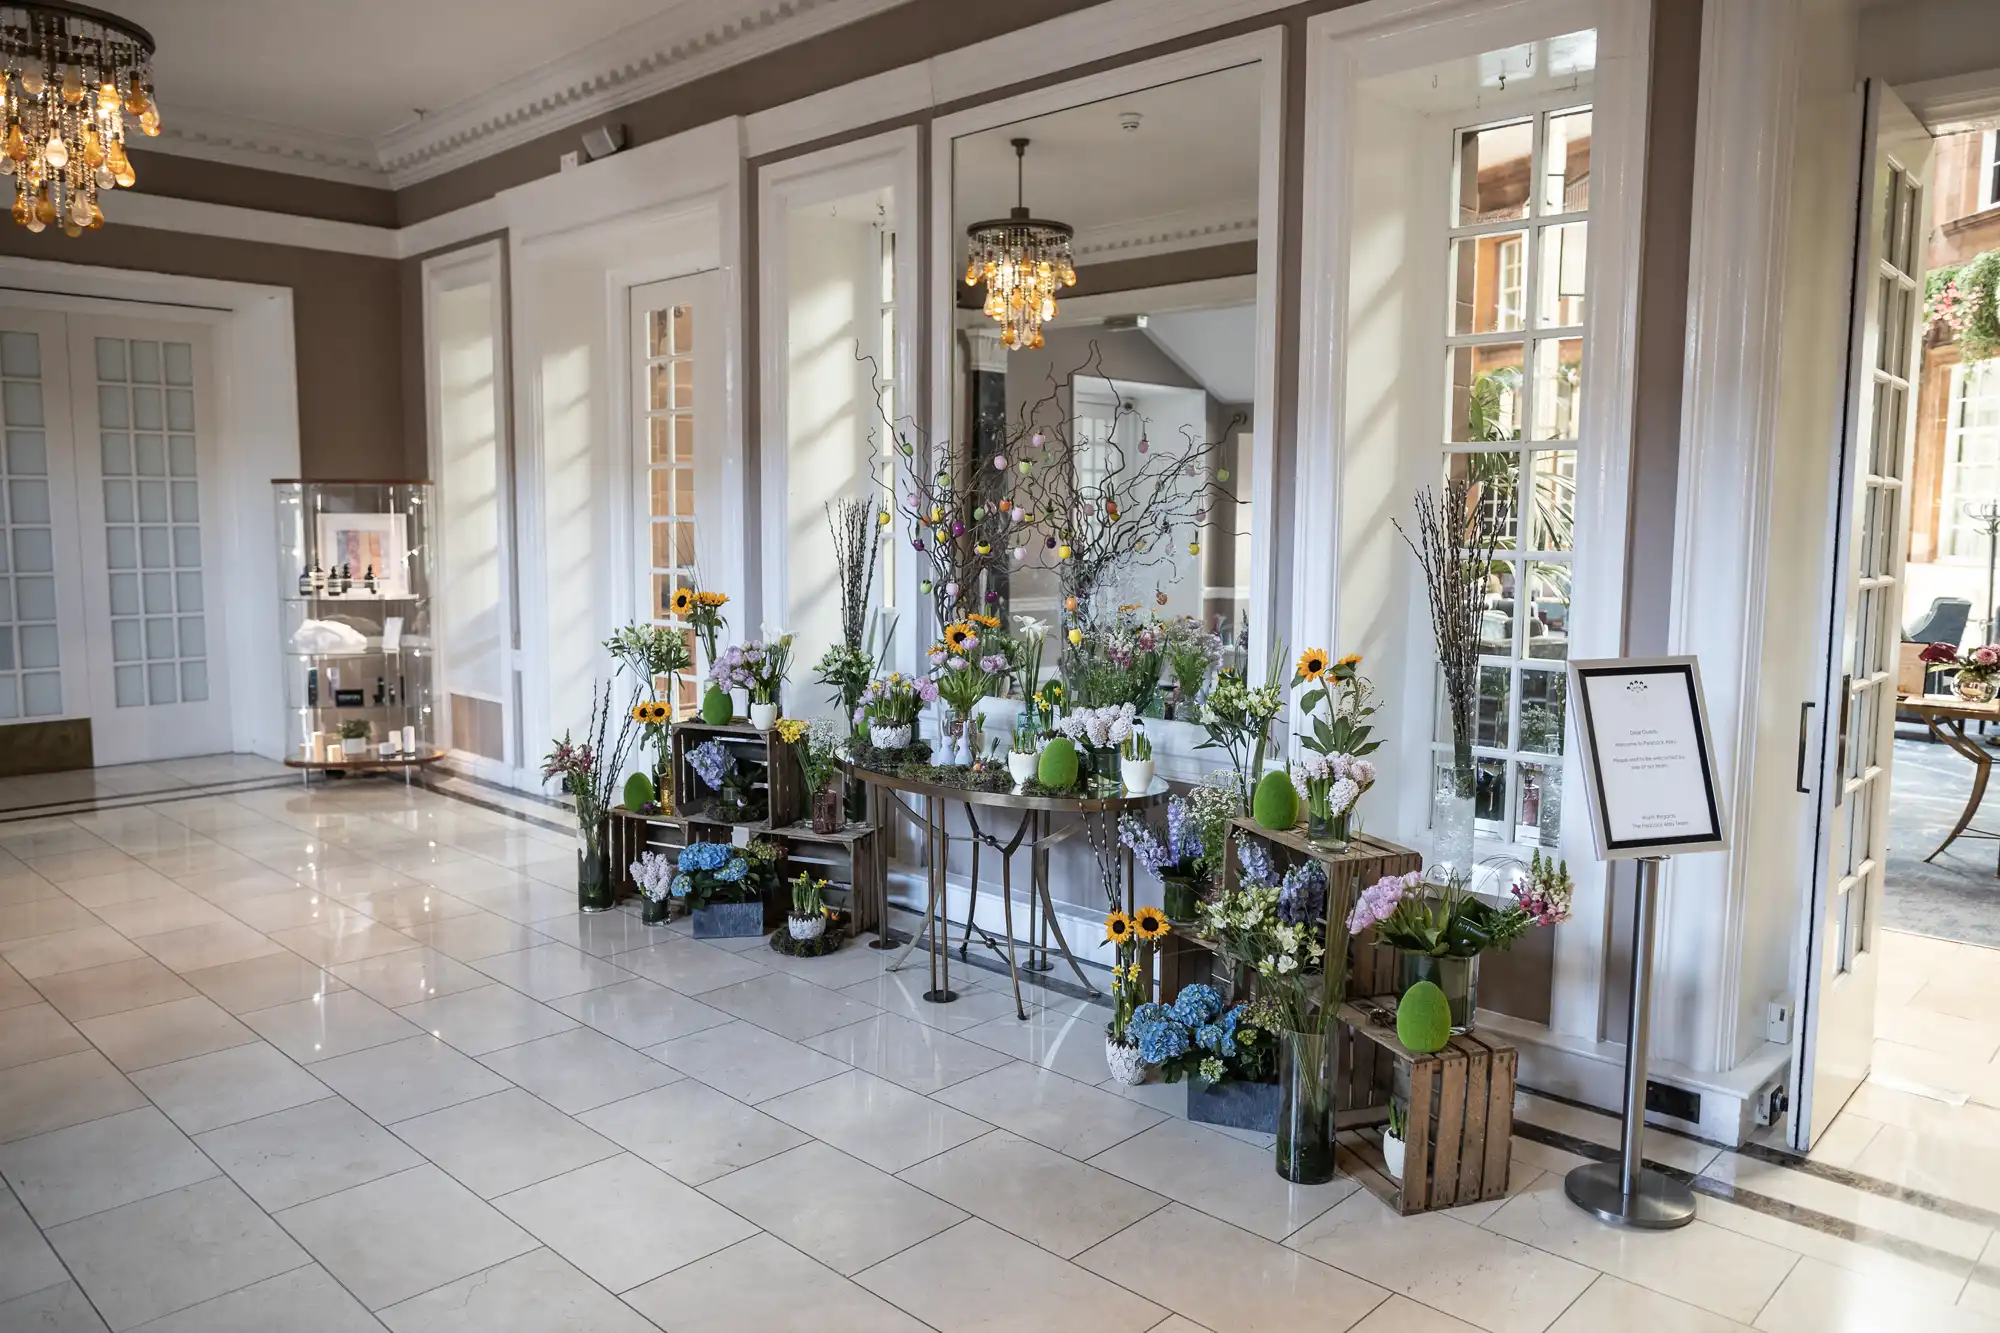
687, 41
1213, 224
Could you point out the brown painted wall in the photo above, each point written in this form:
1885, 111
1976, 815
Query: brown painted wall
345, 324
196, 178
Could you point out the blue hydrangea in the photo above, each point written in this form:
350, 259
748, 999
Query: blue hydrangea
704, 856
1150, 1013
682, 886
1216, 1037
1162, 1042
734, 871
1196, 1005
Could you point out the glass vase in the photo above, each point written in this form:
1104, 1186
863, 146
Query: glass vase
1180, 898
1453, 787
1306, 1063
1458, 978
653, 912
1101, 765
1327, 832
594, 889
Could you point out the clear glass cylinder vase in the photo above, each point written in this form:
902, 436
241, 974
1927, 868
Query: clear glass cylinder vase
1180, 897
1306, 1064
1458, 978
594, 889
1453, 786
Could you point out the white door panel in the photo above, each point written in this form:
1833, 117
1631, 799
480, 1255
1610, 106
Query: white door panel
43, 644
1871, 522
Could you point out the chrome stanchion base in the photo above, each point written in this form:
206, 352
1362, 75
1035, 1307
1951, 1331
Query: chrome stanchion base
1659, 1204
940, 996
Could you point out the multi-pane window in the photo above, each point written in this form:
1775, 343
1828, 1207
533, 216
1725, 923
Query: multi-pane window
670, 407
1989, 169
1518, 239
152, 521
1971, 458
30, 669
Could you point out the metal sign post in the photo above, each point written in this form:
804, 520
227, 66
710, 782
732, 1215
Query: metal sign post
1627, 1192
1650, 783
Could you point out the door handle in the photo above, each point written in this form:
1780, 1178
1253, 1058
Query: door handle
1805, 715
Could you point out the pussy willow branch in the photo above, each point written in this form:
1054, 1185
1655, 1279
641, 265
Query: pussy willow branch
855, 548
1456, 537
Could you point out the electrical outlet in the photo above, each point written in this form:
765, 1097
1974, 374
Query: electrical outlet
568, 162
1778, 1022
1769, 1104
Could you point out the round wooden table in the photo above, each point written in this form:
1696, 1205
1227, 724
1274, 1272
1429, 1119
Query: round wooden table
1096, 815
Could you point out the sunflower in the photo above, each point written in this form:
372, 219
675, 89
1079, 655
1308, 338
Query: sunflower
711, 598
642, 712
991, 622
957, 635
1351, 660
1150, 923
1117, 928
683, 601
1312, 664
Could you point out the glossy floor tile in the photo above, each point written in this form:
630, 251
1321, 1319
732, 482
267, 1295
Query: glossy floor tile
349, 1060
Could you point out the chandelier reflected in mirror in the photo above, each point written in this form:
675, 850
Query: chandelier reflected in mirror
1022, 260
73, 77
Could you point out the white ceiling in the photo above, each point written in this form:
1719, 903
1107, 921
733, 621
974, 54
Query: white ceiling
1217, 347
334, 87
1191, 166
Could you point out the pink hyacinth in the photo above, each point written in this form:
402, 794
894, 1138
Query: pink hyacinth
1378, 902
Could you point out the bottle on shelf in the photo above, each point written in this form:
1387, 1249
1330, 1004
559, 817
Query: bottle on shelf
312, 687
305, 582
368, 580
343, 581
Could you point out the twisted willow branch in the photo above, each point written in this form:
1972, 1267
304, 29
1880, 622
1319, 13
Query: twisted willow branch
1457, 534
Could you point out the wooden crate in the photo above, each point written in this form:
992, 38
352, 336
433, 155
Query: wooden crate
783, 784
1460, 1101
866, 870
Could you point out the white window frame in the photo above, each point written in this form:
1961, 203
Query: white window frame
883, 161
1344, 48
1989, 169
1979, 380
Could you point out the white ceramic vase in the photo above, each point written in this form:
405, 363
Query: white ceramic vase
1136, 774
1022, 767
809, 927
1392, 1156
763, 716
888, 737
1124, 1062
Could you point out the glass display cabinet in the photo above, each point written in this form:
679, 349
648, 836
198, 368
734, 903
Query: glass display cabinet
355, 565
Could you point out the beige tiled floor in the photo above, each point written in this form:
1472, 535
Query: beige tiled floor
349, 1060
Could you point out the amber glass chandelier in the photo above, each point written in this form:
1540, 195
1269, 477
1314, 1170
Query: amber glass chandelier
1022, 260
72, 77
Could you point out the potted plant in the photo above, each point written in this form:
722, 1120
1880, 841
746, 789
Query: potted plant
1976, 669
808, 917
1098, 733
818, 747
889, 708
1330, 785
1280, 928
1441, 931
964, 675
654, 874
725, 897
717, 768
1135, 762
1392, 1141
1177, 861
1190, 653
354, 733
1236, 1082
1130, 938
1237, 720
1024, 754
590, 774
758, 668
703, 613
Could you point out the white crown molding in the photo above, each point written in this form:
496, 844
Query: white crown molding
1186, 229
217, 137
131, 208
678, 46
1952, 105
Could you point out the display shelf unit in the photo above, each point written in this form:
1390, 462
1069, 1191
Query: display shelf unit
352, 656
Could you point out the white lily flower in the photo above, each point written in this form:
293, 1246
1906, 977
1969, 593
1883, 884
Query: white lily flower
1031, 628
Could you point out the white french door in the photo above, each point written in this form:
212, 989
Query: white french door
1870, 522
111, 523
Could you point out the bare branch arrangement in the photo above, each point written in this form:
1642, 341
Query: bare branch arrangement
856, 545
1049, 498
1455, 541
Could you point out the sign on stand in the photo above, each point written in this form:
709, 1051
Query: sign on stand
1649, 775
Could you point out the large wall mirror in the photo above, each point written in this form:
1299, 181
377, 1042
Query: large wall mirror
1159, 348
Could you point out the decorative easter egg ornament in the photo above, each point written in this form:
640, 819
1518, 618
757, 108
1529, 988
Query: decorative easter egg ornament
979, 513
882, 519
1222, 474
1020, 553
1159, 599
925, 587
1020, 517
1143, 546
1194, 548
1024, 467
1036, 439
958, 529
984, 548
939, 534
1144, 444
999, 462
1005, 505
907, 449
1052, 543
992, 597
1062, 552
1076, 636
937, 512
917, 542
951, 590
1069, 603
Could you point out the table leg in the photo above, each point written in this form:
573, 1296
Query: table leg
1049, 915
1982, 767
1007, 910
930, 890
940, 925
1038, 883
972, 903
